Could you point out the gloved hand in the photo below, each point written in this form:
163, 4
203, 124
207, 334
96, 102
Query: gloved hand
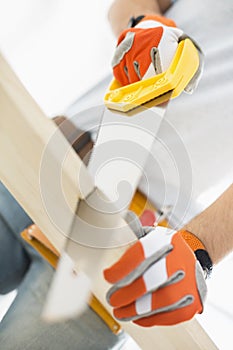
158, 280
145, 50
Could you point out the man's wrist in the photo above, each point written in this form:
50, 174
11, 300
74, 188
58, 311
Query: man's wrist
121, 11
199, 250
153, 17
134, 21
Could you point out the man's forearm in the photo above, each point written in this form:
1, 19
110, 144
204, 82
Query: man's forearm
214, 226
121, 11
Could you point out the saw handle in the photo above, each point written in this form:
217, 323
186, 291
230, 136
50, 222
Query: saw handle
182, 69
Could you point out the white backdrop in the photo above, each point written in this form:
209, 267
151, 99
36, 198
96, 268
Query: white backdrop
59, 48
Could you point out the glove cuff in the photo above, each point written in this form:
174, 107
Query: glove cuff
199, 250
163, 20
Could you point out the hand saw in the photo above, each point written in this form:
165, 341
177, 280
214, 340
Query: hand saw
131, 121
127, 132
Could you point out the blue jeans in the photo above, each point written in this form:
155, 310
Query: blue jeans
21, 267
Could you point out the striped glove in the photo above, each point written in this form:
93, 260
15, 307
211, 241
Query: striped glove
146, 49
158, 280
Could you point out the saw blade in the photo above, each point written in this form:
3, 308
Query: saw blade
122, 147
123, 144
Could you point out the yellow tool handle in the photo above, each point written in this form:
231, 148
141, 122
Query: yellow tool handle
181, 70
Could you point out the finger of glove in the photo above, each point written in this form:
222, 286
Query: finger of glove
170, 269
125, 44
135, 55
182, 295
153, 278
132, 311
183, 310
167, 318
166, 47
152, 245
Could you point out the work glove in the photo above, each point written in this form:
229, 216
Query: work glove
146, 49
159, 279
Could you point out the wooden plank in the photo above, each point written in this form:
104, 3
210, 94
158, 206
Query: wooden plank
31, 154
30, 174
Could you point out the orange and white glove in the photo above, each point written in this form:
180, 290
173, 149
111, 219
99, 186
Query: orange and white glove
146, 49
159, 280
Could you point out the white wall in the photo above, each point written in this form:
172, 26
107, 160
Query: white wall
59, 48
